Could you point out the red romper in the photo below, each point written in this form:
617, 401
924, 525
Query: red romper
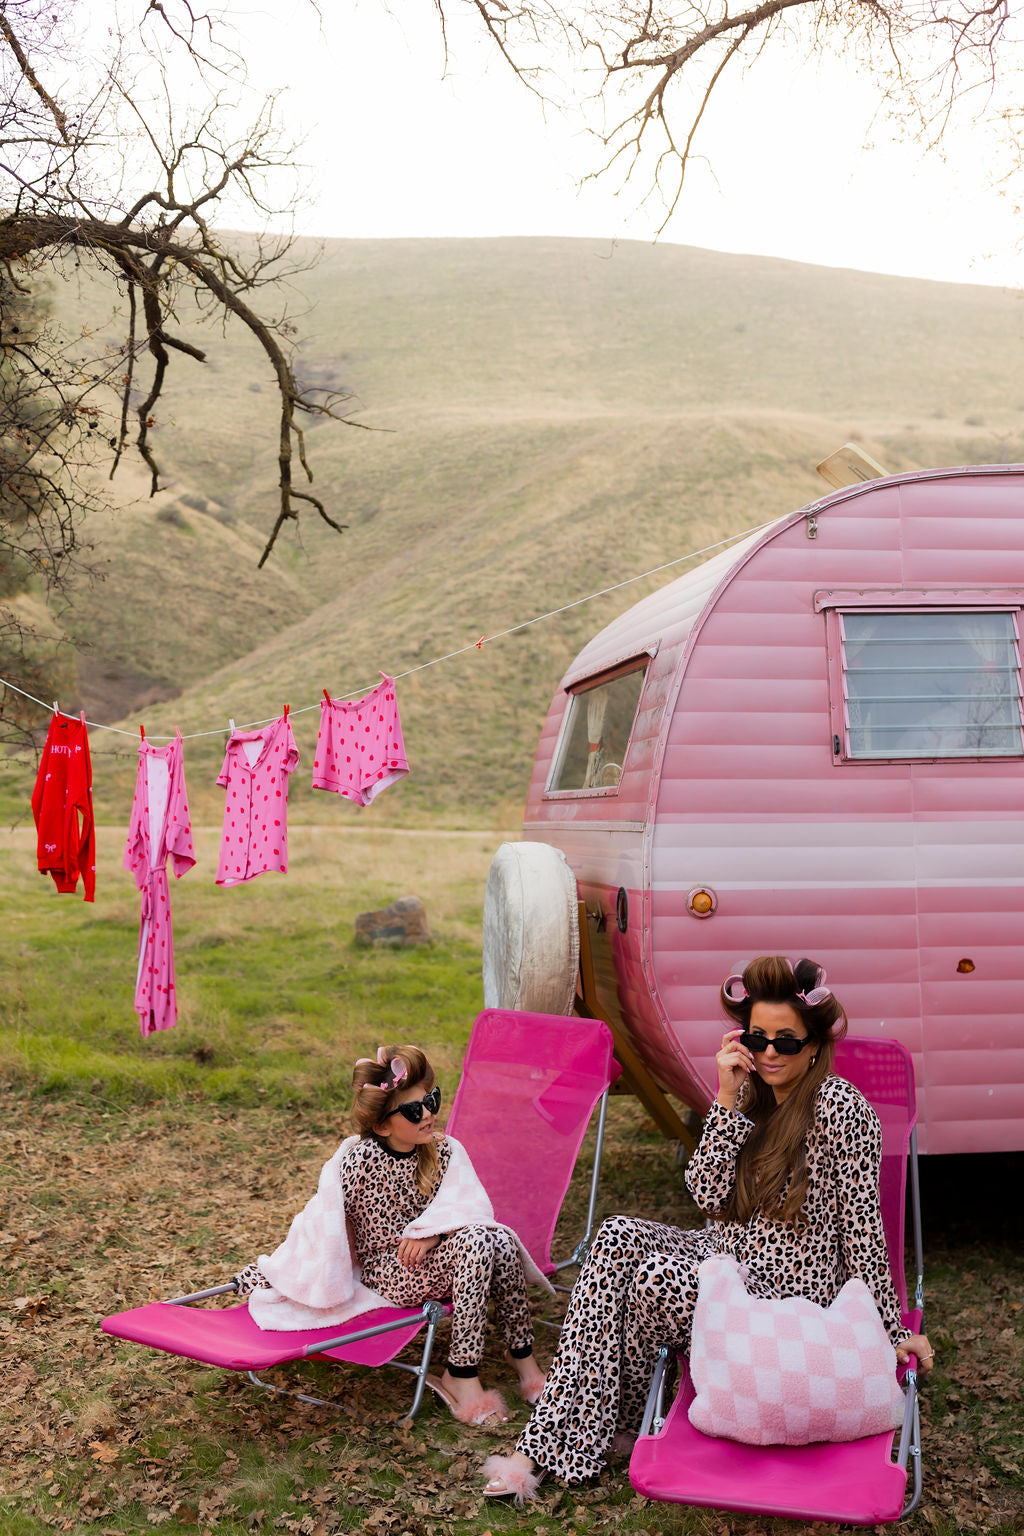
62, 807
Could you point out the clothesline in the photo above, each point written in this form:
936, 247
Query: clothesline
463, 650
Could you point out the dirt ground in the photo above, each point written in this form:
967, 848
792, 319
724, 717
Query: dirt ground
104, 1209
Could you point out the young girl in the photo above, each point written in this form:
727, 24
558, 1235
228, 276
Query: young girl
419, 1225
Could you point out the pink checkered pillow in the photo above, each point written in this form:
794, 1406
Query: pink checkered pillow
786, 1372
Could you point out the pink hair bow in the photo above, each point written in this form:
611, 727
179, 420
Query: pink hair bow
399, 1071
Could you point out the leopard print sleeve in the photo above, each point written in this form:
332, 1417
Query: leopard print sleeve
250, 1279
855, 1138
711, 1171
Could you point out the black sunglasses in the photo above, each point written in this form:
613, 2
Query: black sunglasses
785, 1045
413, 1111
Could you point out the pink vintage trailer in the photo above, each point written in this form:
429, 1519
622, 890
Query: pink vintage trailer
812, 744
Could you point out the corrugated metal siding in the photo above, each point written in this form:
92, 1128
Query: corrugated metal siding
604, 861
887, 873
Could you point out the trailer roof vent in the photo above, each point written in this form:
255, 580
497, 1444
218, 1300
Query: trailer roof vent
849, 465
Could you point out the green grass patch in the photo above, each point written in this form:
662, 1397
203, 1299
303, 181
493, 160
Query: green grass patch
135, 1169
276, 999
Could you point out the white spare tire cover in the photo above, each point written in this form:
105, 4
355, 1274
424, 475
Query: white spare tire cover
531, 930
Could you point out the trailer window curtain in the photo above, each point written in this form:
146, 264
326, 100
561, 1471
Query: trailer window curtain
596, 734
931, 684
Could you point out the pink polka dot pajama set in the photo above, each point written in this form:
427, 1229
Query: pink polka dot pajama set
160, 829
359, 747
255, 774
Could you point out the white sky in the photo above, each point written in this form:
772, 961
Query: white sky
395, 149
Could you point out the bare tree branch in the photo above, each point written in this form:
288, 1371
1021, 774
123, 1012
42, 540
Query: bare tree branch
60, 200
652, 67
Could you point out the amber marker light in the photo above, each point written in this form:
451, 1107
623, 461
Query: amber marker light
965, 967
701, 902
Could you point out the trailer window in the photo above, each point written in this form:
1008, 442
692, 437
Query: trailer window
596, 733
931, 684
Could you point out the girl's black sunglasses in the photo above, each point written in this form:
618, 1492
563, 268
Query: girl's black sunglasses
785, 1045
413, 1111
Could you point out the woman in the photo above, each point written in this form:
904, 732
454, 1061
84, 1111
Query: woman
787, 1169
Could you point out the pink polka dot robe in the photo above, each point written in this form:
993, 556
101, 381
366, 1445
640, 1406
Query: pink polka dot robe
160, 829
255, 776
359, 747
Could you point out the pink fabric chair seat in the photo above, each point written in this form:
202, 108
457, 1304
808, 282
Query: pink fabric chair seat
229, 1338
541, 1074
855, 1482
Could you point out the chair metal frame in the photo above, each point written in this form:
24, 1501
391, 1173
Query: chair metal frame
432, 1312
908, 1458
143, 1325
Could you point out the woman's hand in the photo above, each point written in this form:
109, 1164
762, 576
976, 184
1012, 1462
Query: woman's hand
917, 1345
413, 1250
735, 1063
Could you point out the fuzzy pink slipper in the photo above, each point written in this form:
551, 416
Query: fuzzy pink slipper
506, 1480
531, 1387
486, 1408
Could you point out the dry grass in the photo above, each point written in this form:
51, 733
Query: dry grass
137, 1169
560, 414
108, 1209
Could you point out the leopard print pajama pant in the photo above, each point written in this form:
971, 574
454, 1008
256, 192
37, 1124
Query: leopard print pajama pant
636, 1291
472, 1265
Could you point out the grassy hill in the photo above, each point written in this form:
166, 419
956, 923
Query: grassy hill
552, 416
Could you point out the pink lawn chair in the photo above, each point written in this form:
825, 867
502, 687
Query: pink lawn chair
530, 1084
856, 1482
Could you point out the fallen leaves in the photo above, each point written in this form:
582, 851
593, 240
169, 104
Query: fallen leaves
101, 1435
29, 1307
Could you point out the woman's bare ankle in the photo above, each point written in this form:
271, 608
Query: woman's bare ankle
461, 1388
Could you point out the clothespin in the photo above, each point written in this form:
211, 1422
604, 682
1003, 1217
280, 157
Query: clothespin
480, 642
142, 733
286, 710
231, 726
327, 696
55, 709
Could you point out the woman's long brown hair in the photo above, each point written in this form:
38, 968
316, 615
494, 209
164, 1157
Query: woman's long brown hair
771, 1169
377, 1094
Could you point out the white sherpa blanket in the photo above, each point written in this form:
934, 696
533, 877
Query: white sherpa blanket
314, 1277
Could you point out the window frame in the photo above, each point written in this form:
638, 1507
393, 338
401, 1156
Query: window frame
576, 690
833, 604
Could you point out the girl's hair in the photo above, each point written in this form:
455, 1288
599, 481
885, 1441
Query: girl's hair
771, 1169
377, 1092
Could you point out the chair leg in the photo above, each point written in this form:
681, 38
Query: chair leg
914, 1457
654, 1409
303, 1397
435, 1312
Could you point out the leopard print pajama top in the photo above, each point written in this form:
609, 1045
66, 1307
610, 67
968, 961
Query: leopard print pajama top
470, 1265
637, 1289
